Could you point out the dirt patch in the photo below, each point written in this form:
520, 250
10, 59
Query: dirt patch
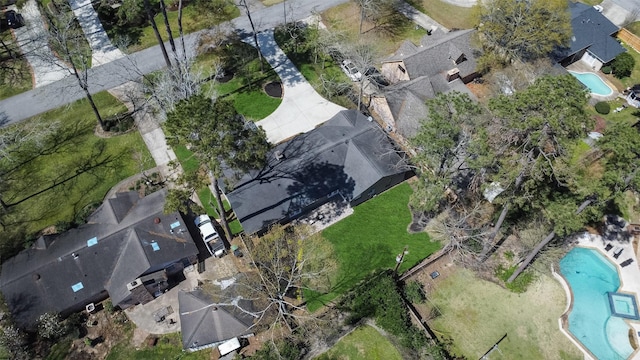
480, 90
274, 89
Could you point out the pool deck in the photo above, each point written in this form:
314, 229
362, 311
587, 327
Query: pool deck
629, 279
580, 67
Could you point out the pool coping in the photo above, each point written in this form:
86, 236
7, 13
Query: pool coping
563, 320
614, 90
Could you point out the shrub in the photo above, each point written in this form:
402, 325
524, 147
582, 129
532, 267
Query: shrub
414, 292
51, 326
603, 107
606, 69
520, 284
622, 65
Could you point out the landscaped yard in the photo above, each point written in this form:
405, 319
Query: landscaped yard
93, 165
167, 347
476, 313
371, 238
194, 18
189, 164
448, 15
364, 343
246, 88
15, 75
386, 36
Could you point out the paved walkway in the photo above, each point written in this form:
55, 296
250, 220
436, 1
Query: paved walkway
302, 108
419, 18
32, 38
102, 49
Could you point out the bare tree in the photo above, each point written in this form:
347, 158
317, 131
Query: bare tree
69, 42
245, 6
156, 32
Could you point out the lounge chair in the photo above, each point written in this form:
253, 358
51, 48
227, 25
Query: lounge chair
608, 247
626, 262
616, 253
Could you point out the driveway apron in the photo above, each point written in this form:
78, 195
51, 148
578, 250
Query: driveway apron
302, 108
32, 38
102, 49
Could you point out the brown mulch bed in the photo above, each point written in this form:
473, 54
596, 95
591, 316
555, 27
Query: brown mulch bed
274, 89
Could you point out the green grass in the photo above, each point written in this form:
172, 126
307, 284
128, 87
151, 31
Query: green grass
364, 343
447, 15
190, 164
476, 313
635, 74
168, 347
634, 27
118, 156
191, 22
60, 350
15, 76
371, 238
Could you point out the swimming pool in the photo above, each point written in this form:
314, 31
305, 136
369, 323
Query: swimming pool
593, 82
591, 278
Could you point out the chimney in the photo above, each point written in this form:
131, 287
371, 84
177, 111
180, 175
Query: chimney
453, 74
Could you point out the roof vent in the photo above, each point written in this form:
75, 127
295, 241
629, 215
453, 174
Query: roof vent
134, 284
74, 255
36, 276
279, 155
156, 220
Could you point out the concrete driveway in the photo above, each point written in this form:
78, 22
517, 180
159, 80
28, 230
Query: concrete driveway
621, 12
302, 108
32, 38
102, 49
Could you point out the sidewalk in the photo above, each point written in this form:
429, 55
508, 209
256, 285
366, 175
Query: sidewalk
32, 38
102, 49
302, 108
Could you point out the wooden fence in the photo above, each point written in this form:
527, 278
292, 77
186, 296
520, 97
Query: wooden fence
629, 38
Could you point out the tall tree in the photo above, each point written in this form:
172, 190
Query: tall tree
218, 136
150, 17
68, 41
524, 30
247, 10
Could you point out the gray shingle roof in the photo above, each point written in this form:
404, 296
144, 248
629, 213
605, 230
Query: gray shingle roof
202, 324
439, 54
592, 31
347, 154
98, 255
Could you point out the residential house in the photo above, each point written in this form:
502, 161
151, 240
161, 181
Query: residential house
593, 38
128, 251
443, 62
348, 158
205, 323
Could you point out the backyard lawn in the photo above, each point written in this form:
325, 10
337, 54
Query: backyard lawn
449, 16
15, 77
93, 165
364, 343
476, 313
371, 238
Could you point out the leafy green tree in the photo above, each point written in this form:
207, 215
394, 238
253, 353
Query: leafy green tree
218, 136
524, 30
622, 65
441, 146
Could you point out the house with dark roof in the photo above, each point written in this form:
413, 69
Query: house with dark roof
443, 62
205, 323
348, 158
128, 251
593, 38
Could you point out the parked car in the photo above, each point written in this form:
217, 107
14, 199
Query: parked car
375, 77
210, 235
13, 19
351, 70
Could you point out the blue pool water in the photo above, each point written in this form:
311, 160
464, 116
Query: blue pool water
593, 82
591, 277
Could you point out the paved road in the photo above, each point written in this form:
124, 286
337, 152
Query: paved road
131, 67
